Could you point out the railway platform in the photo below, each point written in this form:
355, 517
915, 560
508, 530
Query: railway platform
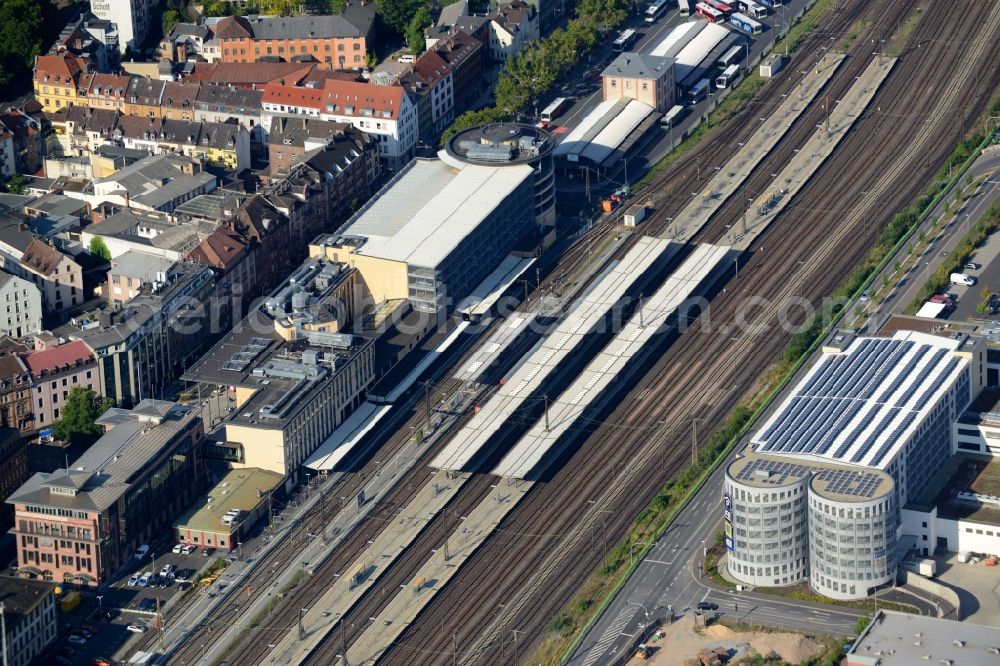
767, 206
762, 140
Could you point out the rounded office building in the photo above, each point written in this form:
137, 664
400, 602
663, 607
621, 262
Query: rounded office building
852, 528
765, 521
503, 144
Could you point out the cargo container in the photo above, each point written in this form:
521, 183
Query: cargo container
771, 65
634, 215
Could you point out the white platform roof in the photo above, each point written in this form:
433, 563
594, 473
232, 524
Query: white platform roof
860, 406
344, 438
487, 293
491, 349
603, 130
426, 211
565, 412
699, 48
523, 385
931, 310
678, 38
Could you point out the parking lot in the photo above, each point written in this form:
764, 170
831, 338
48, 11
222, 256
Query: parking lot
978, 587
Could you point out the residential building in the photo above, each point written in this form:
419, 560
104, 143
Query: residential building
144, 97
296, 373
233, 258
80, 525
466, 56
290, 138
94, 40
435, 231
646, 78
243, 492
79, 131
267, 226
23, 141
512, 28
55, 371
133, 18
150, 233
864, 433
13, 467
385, 112
30, 620
15, 237
431, 82
246, 76
157, 183
225, 104
58, 277
107, 91
57, 81
336, 41
133, 270
179, 99
186, 41
146, 344
15, 388
23, 301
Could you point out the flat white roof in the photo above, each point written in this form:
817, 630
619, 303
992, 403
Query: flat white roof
605, 367
486, 294
524, 384
490, 350
430, 207
603, 130
861, 405
698, 49
901, 639
678, 38
930, 310
344, 438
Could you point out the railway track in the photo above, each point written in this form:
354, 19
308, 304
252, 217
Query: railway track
512, 568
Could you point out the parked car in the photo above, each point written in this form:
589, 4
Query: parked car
145, 578
77, 639
707, 606
178, 548
973, 266
89, 629
188, 549
136, 628
208, 552
167, 570
141, 551
134, 579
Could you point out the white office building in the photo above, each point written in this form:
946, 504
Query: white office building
133, 18
865, 432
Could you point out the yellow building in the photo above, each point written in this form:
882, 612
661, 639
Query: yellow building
60, 81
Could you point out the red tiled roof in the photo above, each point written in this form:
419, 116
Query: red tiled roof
41, 257
54, 358
233, 27
431, 67
275, 93
249, 73
66, 66
109, 85
219, 250
384, 101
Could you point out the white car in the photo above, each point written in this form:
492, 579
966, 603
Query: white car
134, 580
141, 551
76, 639
136, 628
188, 549
178, 548
167, 570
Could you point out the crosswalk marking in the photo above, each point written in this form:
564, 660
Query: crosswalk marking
609, 636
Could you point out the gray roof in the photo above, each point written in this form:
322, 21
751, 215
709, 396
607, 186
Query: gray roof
353, 24
14, 202
139, 265
451, 13
181, 30
20, 596
429, 208
900, 638
106, 470
157, 180
637, 65
12, 234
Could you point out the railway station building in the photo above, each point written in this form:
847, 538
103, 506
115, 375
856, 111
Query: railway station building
858, 444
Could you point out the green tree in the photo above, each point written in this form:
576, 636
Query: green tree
469, 119
20, 37
171, 17
79, 415
15, 185
99, 249
861, 624
397, 14
415, 31
338, 6
605, 14
217, 8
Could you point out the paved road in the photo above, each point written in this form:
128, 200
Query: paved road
908, 285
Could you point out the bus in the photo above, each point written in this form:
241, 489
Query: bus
746, 24
771, 4
655, 9
699, 91
684, 7
752, 9
729, 76
624, 41
732, 55
710, 14
673, 116
555, 109
721, 6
